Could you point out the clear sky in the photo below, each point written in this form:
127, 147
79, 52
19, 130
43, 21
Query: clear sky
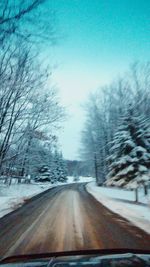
101, 39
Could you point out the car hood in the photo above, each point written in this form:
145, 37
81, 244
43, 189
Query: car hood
85, 258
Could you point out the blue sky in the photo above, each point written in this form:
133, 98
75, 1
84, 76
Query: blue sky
101, 38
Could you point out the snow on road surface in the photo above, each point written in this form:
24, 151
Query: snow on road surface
137, 214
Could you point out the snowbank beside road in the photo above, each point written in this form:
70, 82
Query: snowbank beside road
122, 194
86, 179
14, 196
137, 214
81, 179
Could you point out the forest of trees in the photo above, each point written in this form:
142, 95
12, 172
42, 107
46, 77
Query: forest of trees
77, 168
30, 111
116, 135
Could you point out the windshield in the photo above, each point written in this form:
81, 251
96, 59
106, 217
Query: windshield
74, 126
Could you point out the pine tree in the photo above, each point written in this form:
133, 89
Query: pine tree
59, 172
44, 174
130, 152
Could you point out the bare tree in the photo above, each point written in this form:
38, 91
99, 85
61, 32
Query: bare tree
20, 19
29, 106
23, 103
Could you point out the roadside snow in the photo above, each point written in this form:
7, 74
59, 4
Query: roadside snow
122, 194
14, 196
137, 214
86, 179
81, 179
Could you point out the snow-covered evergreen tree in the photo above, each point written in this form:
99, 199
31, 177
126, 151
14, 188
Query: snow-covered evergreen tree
44, 174
129, 162
59, 172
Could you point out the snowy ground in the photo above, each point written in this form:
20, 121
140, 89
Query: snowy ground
81, 179
12, 197
139, 215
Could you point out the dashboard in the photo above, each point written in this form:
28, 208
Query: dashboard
115, 260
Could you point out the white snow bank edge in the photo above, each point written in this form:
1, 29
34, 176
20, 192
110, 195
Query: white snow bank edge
120, 208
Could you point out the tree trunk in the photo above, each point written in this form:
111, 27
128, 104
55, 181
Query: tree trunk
24, 167
96, 170
10, 181
136, 195
19, 181
145, 190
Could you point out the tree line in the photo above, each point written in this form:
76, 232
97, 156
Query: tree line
30, 110
116, 134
